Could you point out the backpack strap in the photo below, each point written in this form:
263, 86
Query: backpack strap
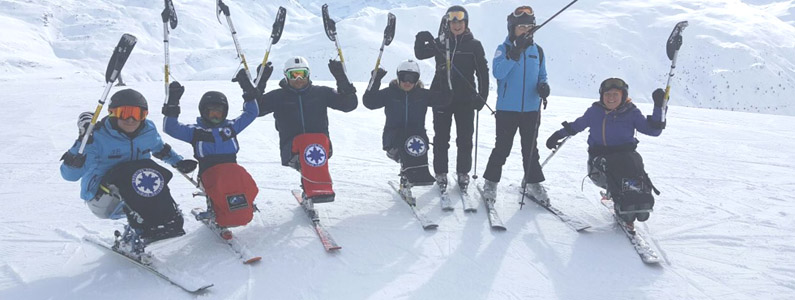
540, 55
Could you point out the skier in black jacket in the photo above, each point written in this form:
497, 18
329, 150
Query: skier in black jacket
300, 107
467, 59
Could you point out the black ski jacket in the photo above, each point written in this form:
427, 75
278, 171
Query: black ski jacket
404, 110
468, 59
302, 111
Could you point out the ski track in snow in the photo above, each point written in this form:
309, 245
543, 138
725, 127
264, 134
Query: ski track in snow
723, 220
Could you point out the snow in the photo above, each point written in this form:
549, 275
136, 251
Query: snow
723, 223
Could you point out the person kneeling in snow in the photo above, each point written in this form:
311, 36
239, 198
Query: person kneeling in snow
118, 178
613, 163
405, 104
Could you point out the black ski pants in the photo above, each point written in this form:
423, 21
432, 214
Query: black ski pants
507, 123
465, 128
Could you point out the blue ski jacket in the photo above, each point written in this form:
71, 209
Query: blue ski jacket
216, 144
108, 146
517, 80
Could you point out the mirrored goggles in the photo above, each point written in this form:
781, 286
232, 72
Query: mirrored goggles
614, 83
126, 112
523, 10
456, 16
294, 74
410, 77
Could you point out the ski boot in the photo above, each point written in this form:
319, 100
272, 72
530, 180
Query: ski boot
441, 181
463, 181
490, 190
405, 191
536, 191
309, 206
131, 245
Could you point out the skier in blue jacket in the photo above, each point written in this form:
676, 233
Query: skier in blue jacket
520, 69
613, 121
126, 135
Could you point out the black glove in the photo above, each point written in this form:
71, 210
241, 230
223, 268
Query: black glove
343, 85
520, 44
378, 74
543, 89
478, 101
424, 37
249, 91
658, 96
83, 121
553, 141
175, 91
265, 76
186, 165
73, 160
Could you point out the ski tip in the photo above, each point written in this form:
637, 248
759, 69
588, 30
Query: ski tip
333, 248
471, 210
252, 260
430, 227
201, 289
499, 228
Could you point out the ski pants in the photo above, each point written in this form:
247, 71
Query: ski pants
507, 123
598, 177
465, 128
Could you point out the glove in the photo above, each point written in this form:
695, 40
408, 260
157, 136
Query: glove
268, 69
343, 85
424, 37
186, 165
543, 89
83, 121
520, 44
175, 91
553, 142
478, 101
249, 91
73, 160
378, 75
658, 96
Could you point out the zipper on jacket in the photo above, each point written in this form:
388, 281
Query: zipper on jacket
301, 112
406, 121
604, 123
524, 75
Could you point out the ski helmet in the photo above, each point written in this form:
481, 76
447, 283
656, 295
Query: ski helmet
614, 83
521, 15
128, 97
212, 98
296, 62
408, 68
454, 13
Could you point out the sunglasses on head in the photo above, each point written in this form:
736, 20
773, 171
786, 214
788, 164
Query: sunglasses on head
126, 112
456, 16
523, 10
410, 77
298, 73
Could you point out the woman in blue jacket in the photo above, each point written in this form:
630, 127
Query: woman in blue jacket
126, 135
521, 74
613, 122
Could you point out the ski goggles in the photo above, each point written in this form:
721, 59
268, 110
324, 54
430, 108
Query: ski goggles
523, 10
525, 26
613, 83
410, 77
456, 16
294, 74
126, 112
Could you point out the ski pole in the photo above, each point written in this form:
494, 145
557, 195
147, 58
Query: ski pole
444, 34
532, 31
169, 15
276, 34
120, 55
532, 148
555, 151
331, 31
389, 34
477, 129
672, 49
220, 7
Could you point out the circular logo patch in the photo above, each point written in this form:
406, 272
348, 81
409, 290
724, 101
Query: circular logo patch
148, 182
416, 146
315, 155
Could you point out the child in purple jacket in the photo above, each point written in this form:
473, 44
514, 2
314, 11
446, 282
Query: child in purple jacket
613, 163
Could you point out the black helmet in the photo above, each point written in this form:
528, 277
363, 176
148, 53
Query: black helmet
614, 83
212, 98
460, 8
128, 97
521, 15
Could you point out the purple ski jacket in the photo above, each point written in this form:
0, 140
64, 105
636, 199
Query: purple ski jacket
614, 128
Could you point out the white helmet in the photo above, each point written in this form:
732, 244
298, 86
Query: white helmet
296, 62
409, 66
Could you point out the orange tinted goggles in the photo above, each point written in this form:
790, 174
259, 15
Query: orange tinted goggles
126, 112
297, 73
456, 15
523, 10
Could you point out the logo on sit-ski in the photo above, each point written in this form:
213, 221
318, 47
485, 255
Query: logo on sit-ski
315, 155
148, 182
416, 146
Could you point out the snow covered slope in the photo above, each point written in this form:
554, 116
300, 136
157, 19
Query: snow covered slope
737, 55
723, 222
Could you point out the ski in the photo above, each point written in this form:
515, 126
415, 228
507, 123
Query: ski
224, 234
444, 196
494, 218
573, 222
412, 202
325, 238
466, 200
644, 250
182, 280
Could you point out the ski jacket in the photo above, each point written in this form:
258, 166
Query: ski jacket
517, 80
614, 129
212, 144
468, 60
404, 110
302, 111
108, 146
